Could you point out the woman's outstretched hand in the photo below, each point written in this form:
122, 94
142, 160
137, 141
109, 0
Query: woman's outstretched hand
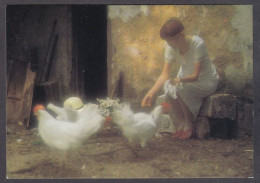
177, 80
147, 100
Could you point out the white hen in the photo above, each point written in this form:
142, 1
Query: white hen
65, 135
139, 127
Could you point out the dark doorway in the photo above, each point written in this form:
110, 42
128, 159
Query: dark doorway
89, 25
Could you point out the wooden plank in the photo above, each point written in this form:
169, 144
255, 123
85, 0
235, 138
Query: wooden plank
51, 59
20, 110
119, 88
9, 72
17, 80
42, 71
26, 102
57, 92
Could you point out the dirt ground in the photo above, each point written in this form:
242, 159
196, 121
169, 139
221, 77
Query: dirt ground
109, 155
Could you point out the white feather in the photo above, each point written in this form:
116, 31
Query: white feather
65, 114
139, 127
65, 135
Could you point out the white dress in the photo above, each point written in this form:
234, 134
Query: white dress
192, 93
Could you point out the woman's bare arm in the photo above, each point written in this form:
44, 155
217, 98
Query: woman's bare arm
158, 84
193, 77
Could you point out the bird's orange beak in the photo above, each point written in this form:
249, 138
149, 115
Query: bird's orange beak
166, 107
38, 107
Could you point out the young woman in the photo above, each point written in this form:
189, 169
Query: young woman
197, 75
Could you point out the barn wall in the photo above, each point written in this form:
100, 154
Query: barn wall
135, 47
34, 31
28, 28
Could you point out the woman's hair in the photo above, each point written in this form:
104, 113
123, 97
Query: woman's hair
171, 28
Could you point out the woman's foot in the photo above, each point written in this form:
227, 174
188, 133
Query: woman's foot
187, 134
177, 134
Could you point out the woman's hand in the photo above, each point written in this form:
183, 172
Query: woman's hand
177, 80
147, 100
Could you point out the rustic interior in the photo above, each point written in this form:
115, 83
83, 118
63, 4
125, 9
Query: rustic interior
98, 51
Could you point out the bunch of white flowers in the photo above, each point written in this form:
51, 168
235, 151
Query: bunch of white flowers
107, 106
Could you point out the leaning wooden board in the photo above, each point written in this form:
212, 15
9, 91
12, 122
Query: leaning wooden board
16, 80
28, 95
19, 100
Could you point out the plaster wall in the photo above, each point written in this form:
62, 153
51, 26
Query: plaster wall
135, 47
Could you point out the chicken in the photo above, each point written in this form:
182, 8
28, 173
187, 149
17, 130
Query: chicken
65, 135
70, 111
139, 127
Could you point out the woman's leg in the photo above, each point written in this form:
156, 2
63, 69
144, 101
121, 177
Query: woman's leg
188, 120
177, 115
188, 116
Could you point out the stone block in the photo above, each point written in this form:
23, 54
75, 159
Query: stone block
244, 118
219, 106
249, 118
240, 114
219, 128
202, 128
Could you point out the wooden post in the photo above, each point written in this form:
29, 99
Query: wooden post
119, 88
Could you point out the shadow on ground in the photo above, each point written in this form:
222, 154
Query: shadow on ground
109, 155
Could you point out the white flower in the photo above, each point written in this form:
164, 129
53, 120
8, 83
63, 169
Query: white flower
107, 106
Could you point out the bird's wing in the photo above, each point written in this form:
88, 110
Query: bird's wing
91, 124
60, 112
56, 133
59, 128
87, 110
143, 121
71, 114
55, 109
53, 125
123, 116
61, 137
156, 113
